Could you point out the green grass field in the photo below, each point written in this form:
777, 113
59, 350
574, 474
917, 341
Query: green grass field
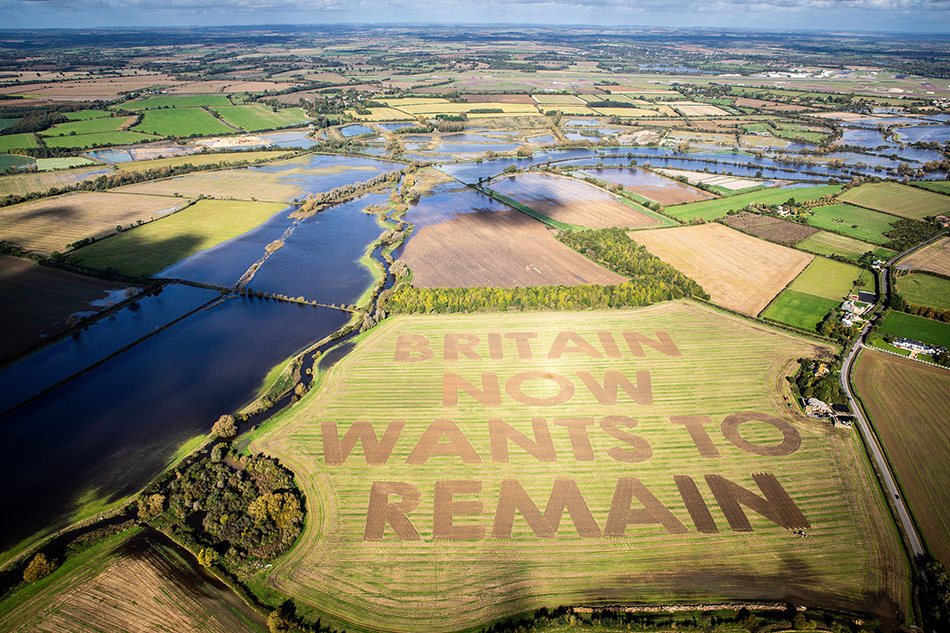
455, 553
176, 101
825, 243
940, 186
13, 160
898, 199
84, 115
152, 247
88, 126
254, 118
851, 221
799, 309
713, 209
181, 122
102, 139
65, 162
903, 325
17, 141
827, 278
925, 290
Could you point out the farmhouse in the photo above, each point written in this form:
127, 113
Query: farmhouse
917, 346
816, 408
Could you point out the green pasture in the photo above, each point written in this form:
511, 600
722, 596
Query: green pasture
472, 569
181, 122
17, 141
5, 123
713, 209
87, 126
799, 309
65, 162
903, 325
147, 249
13, 160
898, 199
176, 101
826, 243
851, 221
254, 118
925, 290
84, 115
827, 278
940, 186
101, 139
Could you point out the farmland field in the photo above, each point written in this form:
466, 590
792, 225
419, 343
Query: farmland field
666, 191
852, 221
37, 300
827, 278
925, 290
799, 309
88, 126
938, 186
177, 101
254, 118
712, 209
916, 328
49, 224
935, 258
67, 162
898, 199
503, 248
739, 272
241, 184
153, 247
181, 122
906, 401
136, 582
769, 228
99, 139
571, 201
24, 184
826, 243
17, 141
84, 115
454, 518
199, 159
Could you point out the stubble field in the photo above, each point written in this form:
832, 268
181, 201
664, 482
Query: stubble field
739, 272
935, 258
437, 499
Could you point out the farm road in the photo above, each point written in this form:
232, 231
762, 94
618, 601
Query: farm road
874, 447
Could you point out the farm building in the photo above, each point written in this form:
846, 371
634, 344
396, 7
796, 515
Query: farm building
817, 409
917, 346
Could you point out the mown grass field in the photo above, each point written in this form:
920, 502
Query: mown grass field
903, 325
466, 569
156, 246
65, 162
906, 401
898, 199
88, 126
50, 224
826, 243
713, 209
925, 290
799, 309
938, 186
84, 115
851, 221
176, 101
254, 118
22, 184
17, 141
199, 159
134, 582
99, 139
181, 122
827, 278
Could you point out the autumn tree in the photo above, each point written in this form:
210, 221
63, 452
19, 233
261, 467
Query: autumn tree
39, 567
225, 427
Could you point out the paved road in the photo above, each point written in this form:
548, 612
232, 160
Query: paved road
870, 439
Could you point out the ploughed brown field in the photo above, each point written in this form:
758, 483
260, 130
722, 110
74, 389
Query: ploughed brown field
502, 249
143, 585
50, 224
935, 258
739, 272
571, 201
38, 300
907, 404
771, 229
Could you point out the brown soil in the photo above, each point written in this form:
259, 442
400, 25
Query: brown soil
771, 229
739, 271
935, 258
501, 249
571, 201
490, 98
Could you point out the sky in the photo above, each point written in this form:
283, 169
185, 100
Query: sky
916, 16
